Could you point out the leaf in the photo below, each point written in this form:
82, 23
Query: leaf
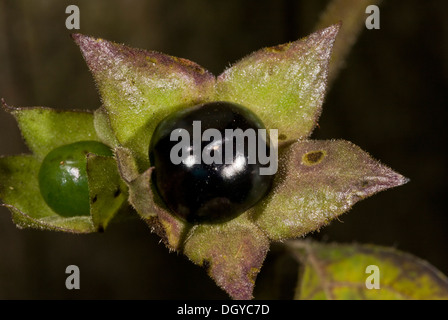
45, 129
332, 271
139, 88
107, 190
232, 253
318, 181
283, 85
19, 190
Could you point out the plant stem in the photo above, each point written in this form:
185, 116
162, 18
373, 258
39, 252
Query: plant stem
352, 14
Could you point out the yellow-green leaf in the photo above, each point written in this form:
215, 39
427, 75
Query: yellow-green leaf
367, 272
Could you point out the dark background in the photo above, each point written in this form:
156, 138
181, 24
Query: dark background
391, 100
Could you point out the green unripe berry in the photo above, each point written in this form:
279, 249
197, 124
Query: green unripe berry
63, 179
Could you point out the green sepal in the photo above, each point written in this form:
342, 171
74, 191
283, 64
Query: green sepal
139, 88
284, 85
148, 204
45, 129
103, 128
317, 181
108, 192
232, 252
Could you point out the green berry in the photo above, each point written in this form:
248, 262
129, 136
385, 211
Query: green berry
63, 179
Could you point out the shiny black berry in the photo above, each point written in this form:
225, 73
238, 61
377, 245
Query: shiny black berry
202, 172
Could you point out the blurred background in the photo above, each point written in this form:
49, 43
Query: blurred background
390, 99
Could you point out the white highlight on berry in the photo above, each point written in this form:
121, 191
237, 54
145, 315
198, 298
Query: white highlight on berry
221, 150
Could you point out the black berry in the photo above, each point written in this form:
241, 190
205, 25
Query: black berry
195, 188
